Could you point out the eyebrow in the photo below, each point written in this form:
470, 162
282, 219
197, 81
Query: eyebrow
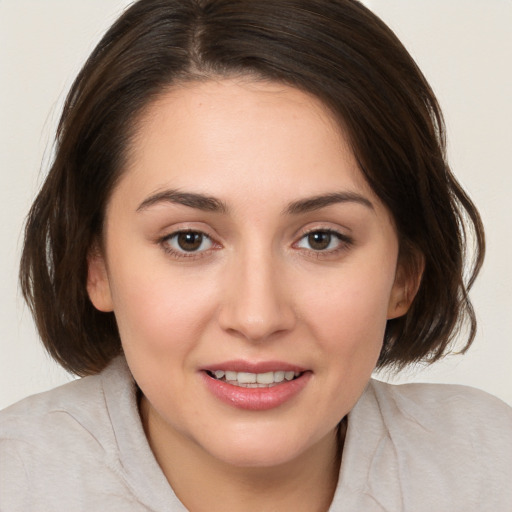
212, 204
310, 204
190, 199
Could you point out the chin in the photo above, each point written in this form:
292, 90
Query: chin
266, 458
261, 449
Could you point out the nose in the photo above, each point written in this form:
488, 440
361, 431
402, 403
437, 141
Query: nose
257, 301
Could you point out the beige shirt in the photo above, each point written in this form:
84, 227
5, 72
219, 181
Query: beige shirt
410, 448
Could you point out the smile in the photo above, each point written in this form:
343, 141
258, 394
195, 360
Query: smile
254, 380
255, 386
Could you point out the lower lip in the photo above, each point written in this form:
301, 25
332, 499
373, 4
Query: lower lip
256, 399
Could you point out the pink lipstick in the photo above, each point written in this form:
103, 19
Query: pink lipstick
255, 386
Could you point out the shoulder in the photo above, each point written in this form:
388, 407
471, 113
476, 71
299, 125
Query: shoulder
432, 395
444, 408
460, 422
51, 413
63, 439
38, 434
430, 447
78, 408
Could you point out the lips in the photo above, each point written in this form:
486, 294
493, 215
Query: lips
255, 386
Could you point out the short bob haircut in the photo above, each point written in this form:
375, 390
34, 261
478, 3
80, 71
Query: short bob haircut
336, 50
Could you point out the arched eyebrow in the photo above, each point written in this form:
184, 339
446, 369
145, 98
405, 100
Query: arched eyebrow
190, 199
212, 204
309, 204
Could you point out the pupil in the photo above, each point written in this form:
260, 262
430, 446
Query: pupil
319, 240
190, 241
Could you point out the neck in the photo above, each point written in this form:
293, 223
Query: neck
205, 483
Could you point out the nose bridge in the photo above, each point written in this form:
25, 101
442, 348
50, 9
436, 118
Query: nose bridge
257, 302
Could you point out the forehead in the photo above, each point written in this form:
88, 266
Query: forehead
241, 137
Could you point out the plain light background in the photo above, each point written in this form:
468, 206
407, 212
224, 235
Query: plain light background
464, 48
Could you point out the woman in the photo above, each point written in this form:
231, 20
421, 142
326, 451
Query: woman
249, 210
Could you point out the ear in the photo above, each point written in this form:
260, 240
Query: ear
98, 286
408, 276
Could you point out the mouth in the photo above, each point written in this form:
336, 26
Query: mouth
254, 380
256, 386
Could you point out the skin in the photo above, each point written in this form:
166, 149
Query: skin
255, 290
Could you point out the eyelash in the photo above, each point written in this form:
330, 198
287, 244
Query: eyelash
181, 254
344, 243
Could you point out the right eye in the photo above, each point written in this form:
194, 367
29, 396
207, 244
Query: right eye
183, 242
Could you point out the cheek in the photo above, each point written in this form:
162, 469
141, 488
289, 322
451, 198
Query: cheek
157, 309
347, 309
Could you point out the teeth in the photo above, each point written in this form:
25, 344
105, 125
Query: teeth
231, 376
254, 380
265, 378
246, 378
278, 376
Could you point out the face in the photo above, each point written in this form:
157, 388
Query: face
250, 268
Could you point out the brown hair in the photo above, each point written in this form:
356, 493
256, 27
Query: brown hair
335, 49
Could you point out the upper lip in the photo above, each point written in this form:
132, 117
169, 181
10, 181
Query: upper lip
254, 367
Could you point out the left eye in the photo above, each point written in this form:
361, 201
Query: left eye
189, 241
320, 241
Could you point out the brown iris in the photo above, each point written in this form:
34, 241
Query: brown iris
319, 240
189, 241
